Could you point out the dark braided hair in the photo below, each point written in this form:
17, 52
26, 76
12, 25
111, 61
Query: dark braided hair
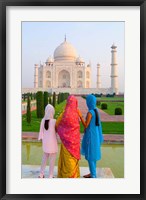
97, 118
46, 125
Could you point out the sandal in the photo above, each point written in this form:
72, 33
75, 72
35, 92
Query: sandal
87, 176
41, 177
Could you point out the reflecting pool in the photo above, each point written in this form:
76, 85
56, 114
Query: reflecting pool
112, 157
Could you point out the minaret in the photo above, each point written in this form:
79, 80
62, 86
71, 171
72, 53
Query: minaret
36, 76
65, 38
98, 76
114, 70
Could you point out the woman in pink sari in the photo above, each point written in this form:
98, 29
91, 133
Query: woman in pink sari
69, 132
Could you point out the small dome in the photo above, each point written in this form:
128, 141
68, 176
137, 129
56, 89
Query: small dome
113, 46
65, 51
80, 60
49, 59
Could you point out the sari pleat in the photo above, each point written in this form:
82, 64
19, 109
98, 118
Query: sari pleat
68, 165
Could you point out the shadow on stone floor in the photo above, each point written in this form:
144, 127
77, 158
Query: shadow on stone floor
32, 171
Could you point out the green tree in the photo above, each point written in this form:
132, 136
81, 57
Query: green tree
24, 96
45, 99
54, 99
28, 113
28, 94
31, 96
50, 100
58, 99
62, 97
40, 104
118, 111
34, 96
104, 106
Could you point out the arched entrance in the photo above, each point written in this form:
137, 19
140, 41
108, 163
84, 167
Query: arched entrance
79, 84
64, 79
87, 84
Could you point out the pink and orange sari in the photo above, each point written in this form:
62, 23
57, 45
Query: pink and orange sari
69, 132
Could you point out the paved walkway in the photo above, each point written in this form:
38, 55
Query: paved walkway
32, 108
108, 138
105, 117
32, 171
110, 100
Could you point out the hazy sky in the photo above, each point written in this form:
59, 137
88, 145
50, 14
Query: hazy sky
92, 41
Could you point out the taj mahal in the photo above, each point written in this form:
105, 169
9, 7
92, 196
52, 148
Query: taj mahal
67, 72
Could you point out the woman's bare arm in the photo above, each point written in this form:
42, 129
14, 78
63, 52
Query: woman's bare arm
87, 122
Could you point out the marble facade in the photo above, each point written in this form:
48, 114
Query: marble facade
67, 72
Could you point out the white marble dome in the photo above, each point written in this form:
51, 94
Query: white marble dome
65, 51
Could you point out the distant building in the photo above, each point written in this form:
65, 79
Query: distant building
64, 70
67, 72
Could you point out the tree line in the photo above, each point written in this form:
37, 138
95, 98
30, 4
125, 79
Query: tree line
42, 99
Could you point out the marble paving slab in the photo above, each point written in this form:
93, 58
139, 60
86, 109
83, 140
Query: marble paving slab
32, 171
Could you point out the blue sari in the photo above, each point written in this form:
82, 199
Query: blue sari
93, 138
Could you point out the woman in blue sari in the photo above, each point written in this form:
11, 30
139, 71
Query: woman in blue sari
93, 138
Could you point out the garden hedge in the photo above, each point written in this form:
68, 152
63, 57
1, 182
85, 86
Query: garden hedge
40, 104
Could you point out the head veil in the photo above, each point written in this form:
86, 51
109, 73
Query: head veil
69, 128
91, 102
49, 114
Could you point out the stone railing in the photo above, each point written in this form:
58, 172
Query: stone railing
33, 90
80, 91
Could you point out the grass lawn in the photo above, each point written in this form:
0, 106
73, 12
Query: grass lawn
113, 127
59, 108
110, 98
111, 107
107, 127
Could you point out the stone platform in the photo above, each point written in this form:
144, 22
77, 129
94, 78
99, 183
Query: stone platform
32, 171
108, 138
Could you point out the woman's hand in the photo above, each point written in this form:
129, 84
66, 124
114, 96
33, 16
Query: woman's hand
79, 113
